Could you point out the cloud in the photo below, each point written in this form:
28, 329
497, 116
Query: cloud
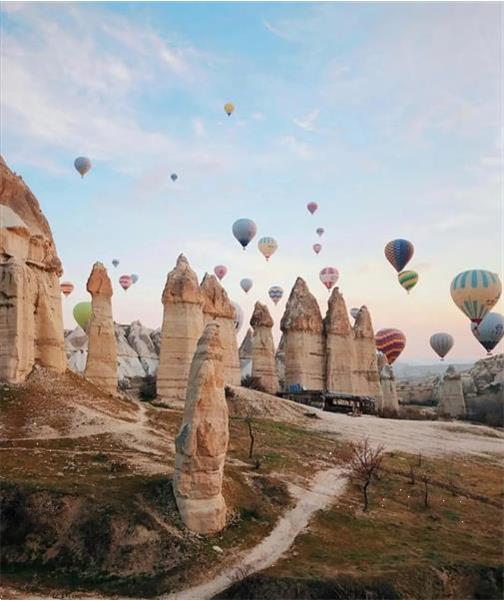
298, 148
308, 121
276, 31
199, 128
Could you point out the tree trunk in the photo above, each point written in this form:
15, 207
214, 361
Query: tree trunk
364, 491
251, 434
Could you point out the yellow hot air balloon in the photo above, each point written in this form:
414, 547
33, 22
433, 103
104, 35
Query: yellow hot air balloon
267, 246
229, 108
476, 292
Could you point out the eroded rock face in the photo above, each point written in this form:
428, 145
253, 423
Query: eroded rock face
263, 349
101, 365
31, 323
245, 354
451, 401
202, 441
182, 327
218, 307
366, 377
340, 348
389, 400
280, 362
304, 344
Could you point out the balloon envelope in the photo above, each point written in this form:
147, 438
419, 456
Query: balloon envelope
441, 343
125, 281
408, 279
312, 207
82, 164
115, 262
220, 271
354, 312
329, 276
391, 342
399, 253
134, 278
317, 248
275, 293
244, 230
238, 316
82, 313
66, 287
267, 246
246, 284
229, 108
476, 292
490, 331
174, 176
320, 231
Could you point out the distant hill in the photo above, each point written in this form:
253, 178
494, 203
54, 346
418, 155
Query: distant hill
407, 371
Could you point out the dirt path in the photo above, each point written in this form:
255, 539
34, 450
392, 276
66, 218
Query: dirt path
325, 487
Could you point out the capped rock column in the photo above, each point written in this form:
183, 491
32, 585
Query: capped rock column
304, 347
202, 441
263, 349
218, 307
451, 395
182, 327
101, 365
389, 400
366, 377
340, 350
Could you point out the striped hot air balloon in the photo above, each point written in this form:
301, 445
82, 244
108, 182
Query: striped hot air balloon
66, 287
312, 207
490, 331
267, 246
476, 292
441, 343
275, 293
220, 272
391, 342
408, 279
399, 253
329, 276
125, 281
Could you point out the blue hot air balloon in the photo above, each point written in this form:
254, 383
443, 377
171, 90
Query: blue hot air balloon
134, 278
399, 253
82, 164
174, 176
441, 343
115, 262
490, 331
275, 293
244, 231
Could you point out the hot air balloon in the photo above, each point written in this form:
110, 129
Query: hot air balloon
82, 313
238, 316
408, 279
220, 271
275, 293
317, 248
229, 108
246, 285
399, 253
391, 342
82, 164
244, 230
174, 176
115, 262
125, 281
66, 287
490, 331
354, 312
476, 292
267, 246
134, 278
441, 343
320, 231
329, 276
312, 207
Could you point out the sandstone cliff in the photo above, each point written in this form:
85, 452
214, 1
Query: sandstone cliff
263, 349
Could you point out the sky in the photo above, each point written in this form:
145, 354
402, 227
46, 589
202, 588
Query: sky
388, 115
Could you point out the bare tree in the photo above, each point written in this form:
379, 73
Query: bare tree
425, 477
248, 420
365, 464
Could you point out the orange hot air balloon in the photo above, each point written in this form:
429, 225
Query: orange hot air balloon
391, 342
66, 287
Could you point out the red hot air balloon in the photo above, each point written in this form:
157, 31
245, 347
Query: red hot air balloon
125, 281
391, 342
220, 271
312, 207
329, 276
66, 287
317, 248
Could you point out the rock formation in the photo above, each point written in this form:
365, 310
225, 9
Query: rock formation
280, 362
202, 441
245, 354
304, 345
340, 351
101, 365
182, 327
218, 307
142, 341
31, 323
366, 378
263, 349
389, 401
451, 402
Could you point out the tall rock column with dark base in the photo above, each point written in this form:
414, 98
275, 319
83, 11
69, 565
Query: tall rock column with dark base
304, 347
202, 441
218, 307
263, 349
340, 350
101, 365
389, 402
366, 376
182, 327
451, 396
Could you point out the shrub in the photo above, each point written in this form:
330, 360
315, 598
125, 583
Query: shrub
147, 389
489, 409
253, 383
